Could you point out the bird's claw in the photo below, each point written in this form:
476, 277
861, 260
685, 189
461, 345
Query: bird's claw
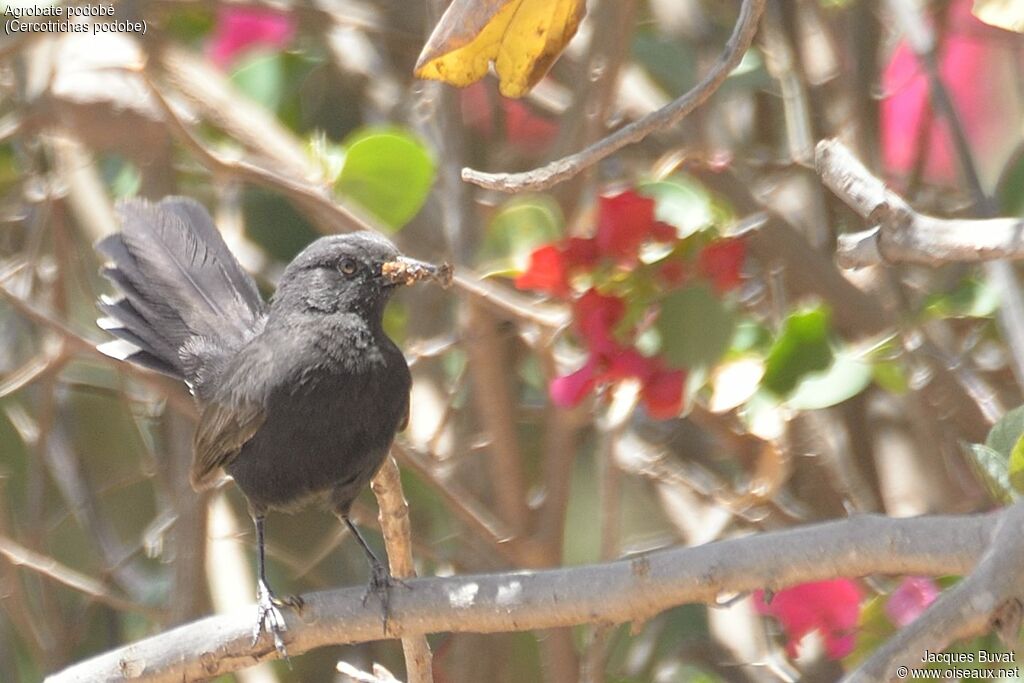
381, 582
269, 617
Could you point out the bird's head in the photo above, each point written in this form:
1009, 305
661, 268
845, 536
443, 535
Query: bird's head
353, 273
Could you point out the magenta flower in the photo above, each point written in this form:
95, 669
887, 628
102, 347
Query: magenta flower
977, 63
910, 599
242, 29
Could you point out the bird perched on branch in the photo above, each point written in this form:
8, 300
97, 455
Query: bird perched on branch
300, 399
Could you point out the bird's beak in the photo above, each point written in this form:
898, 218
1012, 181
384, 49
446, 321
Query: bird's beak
407, 271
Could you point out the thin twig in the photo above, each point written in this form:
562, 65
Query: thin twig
669, 115
469, 511
76, 342
329, 216
21, 556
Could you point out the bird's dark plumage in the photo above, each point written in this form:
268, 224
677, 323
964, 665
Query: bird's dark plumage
299, 399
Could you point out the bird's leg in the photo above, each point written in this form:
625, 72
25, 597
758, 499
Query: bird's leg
268, 616
380, 577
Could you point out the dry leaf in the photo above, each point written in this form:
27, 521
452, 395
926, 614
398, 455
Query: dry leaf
1007, 14
522, 37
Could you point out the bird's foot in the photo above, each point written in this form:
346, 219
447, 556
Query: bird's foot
269, 617
381, 582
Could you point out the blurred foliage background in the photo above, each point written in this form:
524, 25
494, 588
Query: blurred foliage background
785, 393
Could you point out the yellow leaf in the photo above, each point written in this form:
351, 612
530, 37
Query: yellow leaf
1007, 14
522, 37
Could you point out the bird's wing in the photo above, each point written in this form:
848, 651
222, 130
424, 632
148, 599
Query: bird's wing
233, 409
223, 430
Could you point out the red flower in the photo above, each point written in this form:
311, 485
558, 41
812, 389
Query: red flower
672, 272
913, 597
581, 252
531, 133
663, 232
550, 265
830, 607
240, 29
624, 222
722, 263
547, 272
662, 393
596, 316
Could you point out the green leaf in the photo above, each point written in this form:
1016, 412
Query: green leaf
262, 78
122, 177
891, 376
1004, 434
846, 377
972, 298
388, 172
1017, 466
1011, 181
667, 61
519, 227
750, 336
873, 629
680, 202
992, 468
695, 327
801, 348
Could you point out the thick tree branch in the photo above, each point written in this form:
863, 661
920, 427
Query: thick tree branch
669, 115
626, 590
902, 234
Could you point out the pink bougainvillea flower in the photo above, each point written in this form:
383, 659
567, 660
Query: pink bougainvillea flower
625, 222
977, 63
910, 599
722, 263
569, 390
241, 29
546, 272
830, 607
596, 315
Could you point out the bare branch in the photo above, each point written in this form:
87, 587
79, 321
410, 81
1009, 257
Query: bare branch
904, 235
669, 115
394, 524
21, 556
626, 590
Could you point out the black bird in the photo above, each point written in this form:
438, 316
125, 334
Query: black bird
300, 399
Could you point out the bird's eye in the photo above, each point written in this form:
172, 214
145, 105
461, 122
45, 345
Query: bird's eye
349, 267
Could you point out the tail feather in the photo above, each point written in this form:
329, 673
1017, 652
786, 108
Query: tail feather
126, 322
179, 282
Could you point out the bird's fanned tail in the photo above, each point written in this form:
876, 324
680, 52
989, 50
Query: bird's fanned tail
180, 286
